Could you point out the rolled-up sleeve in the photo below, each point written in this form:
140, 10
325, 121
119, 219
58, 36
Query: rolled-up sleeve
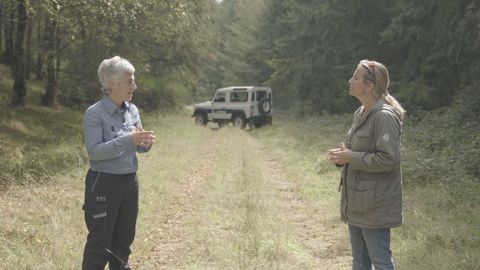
386, 158
97, 148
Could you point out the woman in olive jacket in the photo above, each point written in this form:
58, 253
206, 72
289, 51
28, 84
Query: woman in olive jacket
371, 182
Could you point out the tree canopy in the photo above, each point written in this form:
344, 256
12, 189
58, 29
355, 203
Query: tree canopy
305, 50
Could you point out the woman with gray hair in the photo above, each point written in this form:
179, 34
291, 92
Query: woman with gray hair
113, 135
371, 181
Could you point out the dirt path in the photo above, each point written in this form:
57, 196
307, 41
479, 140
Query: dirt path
308, 227
171, 234
173, 238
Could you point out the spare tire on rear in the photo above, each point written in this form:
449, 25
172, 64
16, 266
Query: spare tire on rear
265, 106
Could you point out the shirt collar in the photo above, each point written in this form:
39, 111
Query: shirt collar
112, 107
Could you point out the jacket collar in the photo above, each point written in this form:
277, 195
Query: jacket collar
377, 107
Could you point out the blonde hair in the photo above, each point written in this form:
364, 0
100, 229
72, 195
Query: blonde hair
113, 68
378, 75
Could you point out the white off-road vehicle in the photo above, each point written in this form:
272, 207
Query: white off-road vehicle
240, 105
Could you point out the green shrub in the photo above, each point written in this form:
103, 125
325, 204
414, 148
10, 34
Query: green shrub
442, 145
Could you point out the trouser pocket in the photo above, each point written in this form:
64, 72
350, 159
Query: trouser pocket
95, 217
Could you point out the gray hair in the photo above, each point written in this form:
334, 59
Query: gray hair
111, 69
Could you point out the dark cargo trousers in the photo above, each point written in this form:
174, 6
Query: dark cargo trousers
111, 208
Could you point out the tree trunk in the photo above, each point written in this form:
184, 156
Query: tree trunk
9, 30
19, 89
40, 51
2, 16
48, 99
57, 55
28, 48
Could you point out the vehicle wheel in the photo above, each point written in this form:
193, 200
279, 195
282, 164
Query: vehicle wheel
258, 125
265, 106
201, 119
239, 121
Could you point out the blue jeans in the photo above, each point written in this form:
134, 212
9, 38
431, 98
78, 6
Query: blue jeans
371, 246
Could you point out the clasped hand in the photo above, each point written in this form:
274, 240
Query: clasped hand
340, 155
142, 137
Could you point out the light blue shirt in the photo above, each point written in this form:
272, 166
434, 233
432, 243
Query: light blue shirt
108, 136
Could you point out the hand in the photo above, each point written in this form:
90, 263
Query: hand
340, 155
143, 138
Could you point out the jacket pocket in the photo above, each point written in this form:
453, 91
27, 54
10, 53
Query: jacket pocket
95, 217
363, 198
361, 140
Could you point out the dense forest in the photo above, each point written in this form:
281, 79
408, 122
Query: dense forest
184, 50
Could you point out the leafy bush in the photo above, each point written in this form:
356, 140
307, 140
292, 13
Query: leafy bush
443, 144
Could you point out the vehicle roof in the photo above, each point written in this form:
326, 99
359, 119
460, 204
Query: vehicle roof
244, 88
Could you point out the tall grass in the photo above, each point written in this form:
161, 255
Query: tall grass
39, 142
442, 188
39, 227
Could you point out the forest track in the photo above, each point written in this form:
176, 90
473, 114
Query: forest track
307, 225
174, 238
171, 234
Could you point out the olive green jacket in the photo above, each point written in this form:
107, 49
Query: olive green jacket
371, 183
